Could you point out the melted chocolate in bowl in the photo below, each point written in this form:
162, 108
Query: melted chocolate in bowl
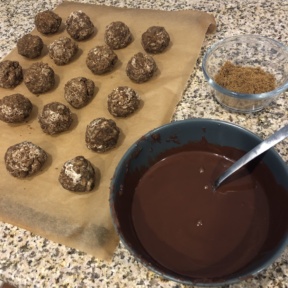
190, 230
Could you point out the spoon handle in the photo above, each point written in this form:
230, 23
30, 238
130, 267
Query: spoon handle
257, 150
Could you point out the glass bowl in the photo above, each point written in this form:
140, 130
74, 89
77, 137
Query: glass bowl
252, 51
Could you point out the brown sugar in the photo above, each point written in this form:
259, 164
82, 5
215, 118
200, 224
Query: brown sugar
245, 79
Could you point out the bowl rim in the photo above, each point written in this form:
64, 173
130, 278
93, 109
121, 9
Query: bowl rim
244, 96
197, 282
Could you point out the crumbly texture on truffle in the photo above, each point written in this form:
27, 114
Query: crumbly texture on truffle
77, 175
101, 135
55, 118
79, 25
10, 74
123, 101
47, 22
117, 35
62, 50
141, 67
79, 91
39, 78
24, 159
155, 39
30, 46
15, 108
101, 59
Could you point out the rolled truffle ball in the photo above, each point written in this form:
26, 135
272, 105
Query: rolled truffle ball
117, 35
39, 78
77, 175
79, 91
30, 46
62, 50
101, 59
24, 159
141, 67
10, 74
15, 108
101, 135
55, 118
47, 22
79, 26
155, 39
123, 101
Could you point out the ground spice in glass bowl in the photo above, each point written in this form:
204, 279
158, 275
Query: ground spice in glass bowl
247, 62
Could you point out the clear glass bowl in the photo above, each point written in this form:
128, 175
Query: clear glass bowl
247, 50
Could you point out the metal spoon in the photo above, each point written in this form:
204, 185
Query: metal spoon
256, 151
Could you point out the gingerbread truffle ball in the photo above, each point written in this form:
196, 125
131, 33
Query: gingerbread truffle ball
79, 26
117, 35
24, 159
30, 46
155, 39
77, 175
101, 59
15, 108
79, 91
47, 22
39, 78
10, 74
123, 101
141, 67
62, 50
102, 135
55, 118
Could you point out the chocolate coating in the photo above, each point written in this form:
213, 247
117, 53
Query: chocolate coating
24, 159
47, 22
117, 35
123, 101
39, 78
10, 74
30, 46
62, 50
79, 91
15, 108
155, 39
141, 67
55, 118
77, 175
101, 135
101, 59
79, 26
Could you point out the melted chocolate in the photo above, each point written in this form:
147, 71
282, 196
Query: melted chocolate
194, 232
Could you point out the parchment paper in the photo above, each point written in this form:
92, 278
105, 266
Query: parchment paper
39, 203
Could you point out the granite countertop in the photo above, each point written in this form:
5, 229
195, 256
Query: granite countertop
28, 260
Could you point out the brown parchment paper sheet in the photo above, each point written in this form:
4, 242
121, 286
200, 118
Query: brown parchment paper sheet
39, 203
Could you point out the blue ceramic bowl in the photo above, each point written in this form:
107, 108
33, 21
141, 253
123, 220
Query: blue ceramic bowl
145, 152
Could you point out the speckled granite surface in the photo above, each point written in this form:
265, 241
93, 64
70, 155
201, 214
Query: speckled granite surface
27, 260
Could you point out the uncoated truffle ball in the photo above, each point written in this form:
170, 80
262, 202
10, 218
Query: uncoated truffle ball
77, 175
155, 39
101, 135
141, 67
47, 22
30, 46
117, 35
55, 118
62, 50
79, 26
39, 78
15, 108
10, 74
123, 101
24, 159
79, 91
101, 59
